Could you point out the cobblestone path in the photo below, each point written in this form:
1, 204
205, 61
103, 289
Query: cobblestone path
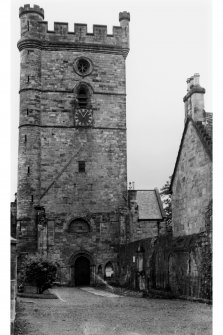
82, 312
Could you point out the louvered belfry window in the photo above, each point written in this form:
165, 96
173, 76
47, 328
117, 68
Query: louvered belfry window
83, 97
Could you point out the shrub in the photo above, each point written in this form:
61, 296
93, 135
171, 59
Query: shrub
40, 271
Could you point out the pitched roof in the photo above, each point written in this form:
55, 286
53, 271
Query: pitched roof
149, 204
204, 132
205, 135
209, 123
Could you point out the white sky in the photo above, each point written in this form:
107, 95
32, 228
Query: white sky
169, 42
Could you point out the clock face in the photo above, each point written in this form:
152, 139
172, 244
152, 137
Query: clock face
83, 117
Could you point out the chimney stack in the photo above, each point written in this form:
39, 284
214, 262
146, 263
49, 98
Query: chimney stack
194, 99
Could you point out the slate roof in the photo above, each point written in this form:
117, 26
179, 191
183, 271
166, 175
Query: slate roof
204, 132
149, 204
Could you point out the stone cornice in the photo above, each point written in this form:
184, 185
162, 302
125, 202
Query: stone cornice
71, 127
66, 91
48, 45
30, 11
195, 89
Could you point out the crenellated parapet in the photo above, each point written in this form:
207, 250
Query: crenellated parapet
124, 16
35, 33
27, 9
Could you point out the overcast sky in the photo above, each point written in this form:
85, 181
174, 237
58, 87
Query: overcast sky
169, 42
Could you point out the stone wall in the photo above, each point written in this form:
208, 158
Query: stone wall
100, 241
180, 266
146, 216
144, 229
13, 218
13, 282
192, 186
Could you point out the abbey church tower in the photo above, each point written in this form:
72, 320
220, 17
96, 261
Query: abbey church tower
72, 173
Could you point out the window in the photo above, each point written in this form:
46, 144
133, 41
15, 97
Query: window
109, 270
79, 226
83, 66
83, 97
81, 166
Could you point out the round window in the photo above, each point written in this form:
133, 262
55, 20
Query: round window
83, 66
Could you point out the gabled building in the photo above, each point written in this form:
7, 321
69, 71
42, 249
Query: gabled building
146, 214
180, 264
191, 184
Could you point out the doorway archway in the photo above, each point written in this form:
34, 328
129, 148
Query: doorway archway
82, 268
82, 271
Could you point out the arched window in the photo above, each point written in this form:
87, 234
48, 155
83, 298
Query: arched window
83, 96
79, 226
109, 270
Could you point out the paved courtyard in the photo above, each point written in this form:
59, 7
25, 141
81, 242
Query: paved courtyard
93, 312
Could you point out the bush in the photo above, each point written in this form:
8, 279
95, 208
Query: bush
40, 271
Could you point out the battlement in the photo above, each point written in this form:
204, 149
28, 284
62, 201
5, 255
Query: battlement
38, 30
80, 29
28, 9
124, 16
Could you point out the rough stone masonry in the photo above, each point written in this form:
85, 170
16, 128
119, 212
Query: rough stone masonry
72, 175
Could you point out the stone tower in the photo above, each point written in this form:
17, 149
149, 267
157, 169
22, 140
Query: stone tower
72, 173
